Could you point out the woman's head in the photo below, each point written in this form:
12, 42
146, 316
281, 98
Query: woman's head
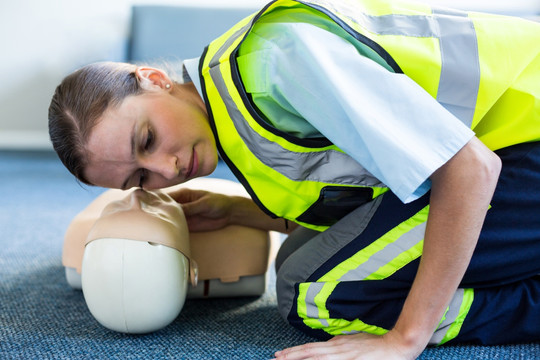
118, 125
78, 103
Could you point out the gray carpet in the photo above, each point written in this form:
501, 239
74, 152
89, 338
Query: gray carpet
41, 317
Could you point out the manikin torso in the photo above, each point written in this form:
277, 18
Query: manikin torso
136, 257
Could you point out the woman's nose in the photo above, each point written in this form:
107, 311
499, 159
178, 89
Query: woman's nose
164, 164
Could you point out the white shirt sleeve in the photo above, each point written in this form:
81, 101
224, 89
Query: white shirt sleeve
385, 121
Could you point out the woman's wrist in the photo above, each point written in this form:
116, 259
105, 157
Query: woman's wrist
244, 211
238, 210
408, 343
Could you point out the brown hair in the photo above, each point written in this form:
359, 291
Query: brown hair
77, 104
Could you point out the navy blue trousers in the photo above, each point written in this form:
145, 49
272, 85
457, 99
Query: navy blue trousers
504, 271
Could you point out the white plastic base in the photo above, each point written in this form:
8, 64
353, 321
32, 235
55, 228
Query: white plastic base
246, 286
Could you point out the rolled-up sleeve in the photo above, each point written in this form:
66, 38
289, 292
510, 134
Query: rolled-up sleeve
384, 120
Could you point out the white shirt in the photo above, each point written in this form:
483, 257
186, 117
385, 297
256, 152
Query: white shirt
384, 120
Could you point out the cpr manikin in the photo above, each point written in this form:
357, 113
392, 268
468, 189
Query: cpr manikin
133, 257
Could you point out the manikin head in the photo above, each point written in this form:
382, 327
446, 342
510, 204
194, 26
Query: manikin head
136, 264
119, 126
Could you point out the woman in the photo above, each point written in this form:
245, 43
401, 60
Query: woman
326, 112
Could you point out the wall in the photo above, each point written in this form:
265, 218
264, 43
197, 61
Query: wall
44, 40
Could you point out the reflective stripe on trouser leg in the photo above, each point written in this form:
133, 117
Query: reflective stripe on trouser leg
380, 259
300, 265
452, 320
377, 261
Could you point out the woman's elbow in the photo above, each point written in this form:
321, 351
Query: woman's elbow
486, 164
494, 167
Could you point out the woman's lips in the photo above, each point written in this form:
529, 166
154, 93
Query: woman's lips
193, 165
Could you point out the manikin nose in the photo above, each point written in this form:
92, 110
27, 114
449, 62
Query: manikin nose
136, 198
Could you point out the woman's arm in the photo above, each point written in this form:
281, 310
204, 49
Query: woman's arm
460, 196
206, 210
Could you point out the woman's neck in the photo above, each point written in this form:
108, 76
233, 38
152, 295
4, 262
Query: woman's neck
188, 91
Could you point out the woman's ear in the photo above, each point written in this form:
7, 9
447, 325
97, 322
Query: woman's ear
153, 79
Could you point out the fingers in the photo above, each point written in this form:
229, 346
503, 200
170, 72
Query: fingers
204, 210
345, 347
198, 207
318, 350
193, 202
186, 195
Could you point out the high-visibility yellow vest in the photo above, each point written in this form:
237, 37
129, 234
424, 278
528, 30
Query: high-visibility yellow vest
485, 69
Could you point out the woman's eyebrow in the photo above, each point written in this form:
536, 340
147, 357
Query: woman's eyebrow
132, 152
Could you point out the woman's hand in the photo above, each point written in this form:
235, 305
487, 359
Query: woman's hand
204, 210
353, 347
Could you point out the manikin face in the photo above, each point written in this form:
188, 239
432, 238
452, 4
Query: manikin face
152, 217
155, 140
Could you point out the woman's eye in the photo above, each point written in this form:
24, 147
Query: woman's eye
149, 139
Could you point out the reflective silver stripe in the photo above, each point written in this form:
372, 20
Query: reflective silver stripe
312, 312
450, 316
227, 44
405, 25
460, 66
328, 166
390, 24
387, 254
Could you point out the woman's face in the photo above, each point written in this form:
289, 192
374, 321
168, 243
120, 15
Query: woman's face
153, 140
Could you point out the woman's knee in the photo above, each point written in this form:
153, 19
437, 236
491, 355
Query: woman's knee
293, 242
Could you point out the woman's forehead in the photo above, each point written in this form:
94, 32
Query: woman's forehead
109, 151
108, 172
